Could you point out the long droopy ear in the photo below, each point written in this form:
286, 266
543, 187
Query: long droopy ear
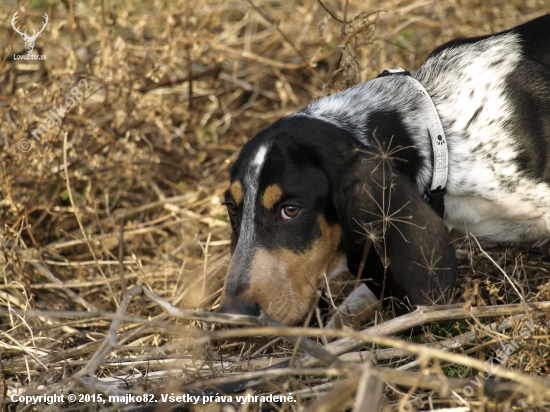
412, 258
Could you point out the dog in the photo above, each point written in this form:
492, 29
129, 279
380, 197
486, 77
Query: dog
372, 179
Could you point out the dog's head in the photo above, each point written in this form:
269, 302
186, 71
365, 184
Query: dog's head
301, 193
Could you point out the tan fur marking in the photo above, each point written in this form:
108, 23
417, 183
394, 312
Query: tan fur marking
237, 192
285, 283
271, 196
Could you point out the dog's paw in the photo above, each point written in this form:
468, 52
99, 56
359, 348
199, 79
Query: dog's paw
355, 310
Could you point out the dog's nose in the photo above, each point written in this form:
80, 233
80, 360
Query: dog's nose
239, 306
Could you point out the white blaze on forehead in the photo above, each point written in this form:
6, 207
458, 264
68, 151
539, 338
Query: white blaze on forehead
260, 156
240, 261
252, 180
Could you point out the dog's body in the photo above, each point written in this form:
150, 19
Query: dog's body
307, 191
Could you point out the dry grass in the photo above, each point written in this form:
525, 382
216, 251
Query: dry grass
127, 191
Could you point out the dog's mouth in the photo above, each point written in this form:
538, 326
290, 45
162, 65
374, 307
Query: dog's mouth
236, 306
318, 314
287, 311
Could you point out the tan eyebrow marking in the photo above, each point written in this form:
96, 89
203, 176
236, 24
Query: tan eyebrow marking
271, 196
237, 192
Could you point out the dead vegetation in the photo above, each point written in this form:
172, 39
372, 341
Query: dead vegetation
126, 191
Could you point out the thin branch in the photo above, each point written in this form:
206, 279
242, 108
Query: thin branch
520, 295
329, 12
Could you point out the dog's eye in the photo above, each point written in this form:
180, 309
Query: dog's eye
290, 212
232, 209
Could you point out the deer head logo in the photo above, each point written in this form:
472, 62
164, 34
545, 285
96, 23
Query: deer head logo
29, 40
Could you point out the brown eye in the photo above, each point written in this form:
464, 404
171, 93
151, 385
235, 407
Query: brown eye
231, 209
290, 212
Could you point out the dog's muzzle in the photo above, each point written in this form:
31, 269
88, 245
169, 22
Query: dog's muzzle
239, 306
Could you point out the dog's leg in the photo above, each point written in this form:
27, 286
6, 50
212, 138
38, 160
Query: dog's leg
355, 310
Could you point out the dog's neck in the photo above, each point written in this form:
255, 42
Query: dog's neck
435, 192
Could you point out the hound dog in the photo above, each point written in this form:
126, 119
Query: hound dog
310, 194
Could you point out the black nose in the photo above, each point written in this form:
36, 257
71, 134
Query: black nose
239, 306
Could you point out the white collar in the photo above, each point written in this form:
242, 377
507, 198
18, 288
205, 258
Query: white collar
437, 136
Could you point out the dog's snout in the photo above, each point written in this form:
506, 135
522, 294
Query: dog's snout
240, 306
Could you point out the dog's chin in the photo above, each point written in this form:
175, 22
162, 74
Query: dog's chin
294, 319
289, 316
301, 317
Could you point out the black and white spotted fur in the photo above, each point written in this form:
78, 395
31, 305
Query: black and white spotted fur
493, 98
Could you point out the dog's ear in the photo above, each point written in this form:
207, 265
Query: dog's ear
411, 257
